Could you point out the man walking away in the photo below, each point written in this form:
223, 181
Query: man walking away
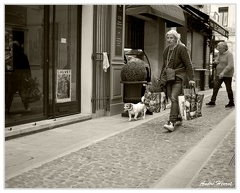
224, 72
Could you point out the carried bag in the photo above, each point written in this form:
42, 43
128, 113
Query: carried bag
190, 104
32, 92
170, 74
152, 101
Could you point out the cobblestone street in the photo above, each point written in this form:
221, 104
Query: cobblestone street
219, 171
136, 158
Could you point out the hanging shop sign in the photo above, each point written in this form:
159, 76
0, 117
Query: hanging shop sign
218, 28
63, 89
119, 31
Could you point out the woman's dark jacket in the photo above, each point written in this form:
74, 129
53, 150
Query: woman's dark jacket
180, 61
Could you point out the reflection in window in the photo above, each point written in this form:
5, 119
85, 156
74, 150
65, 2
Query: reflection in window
24, 27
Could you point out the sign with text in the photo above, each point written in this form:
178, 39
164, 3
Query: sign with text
119, 31
218, 28
63, 93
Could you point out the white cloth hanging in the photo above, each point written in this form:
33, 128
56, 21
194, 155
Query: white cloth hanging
105, 62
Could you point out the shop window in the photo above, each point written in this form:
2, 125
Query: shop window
134, 33
63, 60
24, 27
223, 18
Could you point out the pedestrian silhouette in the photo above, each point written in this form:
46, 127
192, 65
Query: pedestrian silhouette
224, 65
176, 65
16, 81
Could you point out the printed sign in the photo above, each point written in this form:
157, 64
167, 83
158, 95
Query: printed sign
119, 31
63, 89
218, 28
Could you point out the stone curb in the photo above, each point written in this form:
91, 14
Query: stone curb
29, 128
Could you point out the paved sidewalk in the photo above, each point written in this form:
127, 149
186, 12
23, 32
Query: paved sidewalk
29, 152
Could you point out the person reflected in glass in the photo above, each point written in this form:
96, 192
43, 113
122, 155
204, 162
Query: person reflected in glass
18, 78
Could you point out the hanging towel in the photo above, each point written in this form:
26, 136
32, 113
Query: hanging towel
105, 62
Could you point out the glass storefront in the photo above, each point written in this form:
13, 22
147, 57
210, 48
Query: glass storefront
41, 44
63, 59
24, 27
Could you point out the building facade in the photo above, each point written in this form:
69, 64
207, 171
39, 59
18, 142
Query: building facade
64, 45
225, 15
76, 53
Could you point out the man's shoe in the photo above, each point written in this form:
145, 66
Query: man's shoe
169, 126
230, 105
211, 103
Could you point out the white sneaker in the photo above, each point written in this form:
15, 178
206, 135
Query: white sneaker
169, 126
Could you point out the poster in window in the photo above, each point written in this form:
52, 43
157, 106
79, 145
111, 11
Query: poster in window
63, 88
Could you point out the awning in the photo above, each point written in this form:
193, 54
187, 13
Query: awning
195, 12
218, 28
205, 18
172, 13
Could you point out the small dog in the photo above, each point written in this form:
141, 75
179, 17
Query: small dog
135, 109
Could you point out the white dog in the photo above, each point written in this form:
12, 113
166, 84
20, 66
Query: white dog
135, 109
